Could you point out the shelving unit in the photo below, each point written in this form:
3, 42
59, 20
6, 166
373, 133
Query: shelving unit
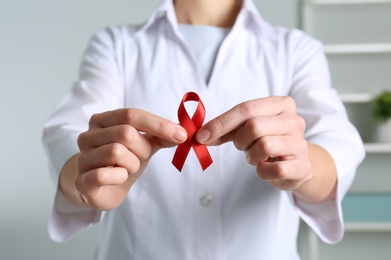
367, 207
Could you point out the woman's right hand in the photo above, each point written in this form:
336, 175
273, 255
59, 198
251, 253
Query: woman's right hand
114, 152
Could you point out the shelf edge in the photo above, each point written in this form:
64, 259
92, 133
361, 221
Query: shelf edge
347, 2
377, 147
356, 97
364, 48
367, 226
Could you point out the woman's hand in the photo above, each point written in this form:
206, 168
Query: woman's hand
114, 152
271, 134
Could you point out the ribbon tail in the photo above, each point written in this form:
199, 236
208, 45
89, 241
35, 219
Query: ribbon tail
180, 155
203, 155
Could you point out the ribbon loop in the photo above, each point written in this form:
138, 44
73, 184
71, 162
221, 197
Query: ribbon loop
191, 125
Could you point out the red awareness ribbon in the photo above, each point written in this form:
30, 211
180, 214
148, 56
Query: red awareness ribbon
191, 126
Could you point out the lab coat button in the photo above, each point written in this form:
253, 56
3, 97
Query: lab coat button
206, 200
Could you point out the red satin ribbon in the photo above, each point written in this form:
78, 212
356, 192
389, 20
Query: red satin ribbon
191, 126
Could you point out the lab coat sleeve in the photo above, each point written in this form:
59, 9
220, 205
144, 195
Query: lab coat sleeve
327, 125
99, 88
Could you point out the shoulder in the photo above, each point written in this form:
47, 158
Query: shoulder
115, 35
289, 40
112, 42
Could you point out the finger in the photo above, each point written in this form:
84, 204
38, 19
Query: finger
282, 147
90, 182
104, 188
123, 134
113, 155
142, 121
257, 127
291, 171
234, 118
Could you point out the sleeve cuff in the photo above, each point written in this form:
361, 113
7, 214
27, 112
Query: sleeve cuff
66, 218
326, 218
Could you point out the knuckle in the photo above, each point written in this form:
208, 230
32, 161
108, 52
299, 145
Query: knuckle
116, 150
81, 140
129, 115
94, 119
238, 145
260, 171
248, 108
219, 124
257, 152
298, 123
303, 147
99, 178
281, 171
302, 124
134, 167
265, 146
252, 160
289, 102
160, 126
252, 128
126, 133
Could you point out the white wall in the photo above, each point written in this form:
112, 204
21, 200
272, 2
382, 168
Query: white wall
41, 43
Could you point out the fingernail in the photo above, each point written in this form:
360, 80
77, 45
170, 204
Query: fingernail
203, 136
179, 134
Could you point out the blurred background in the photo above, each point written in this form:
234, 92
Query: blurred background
41, 43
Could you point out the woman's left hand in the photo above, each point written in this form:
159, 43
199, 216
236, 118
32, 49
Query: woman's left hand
271, 134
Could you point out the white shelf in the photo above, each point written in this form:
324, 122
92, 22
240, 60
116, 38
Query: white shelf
368, 227
347, 2
377, 147
356, 97
357, 48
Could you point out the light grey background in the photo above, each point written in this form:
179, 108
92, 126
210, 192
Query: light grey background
41, 42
